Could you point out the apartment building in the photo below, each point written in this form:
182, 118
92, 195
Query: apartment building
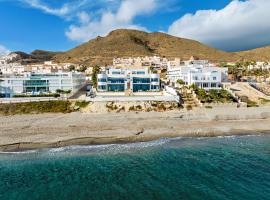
33, 83
199, 72
134, 80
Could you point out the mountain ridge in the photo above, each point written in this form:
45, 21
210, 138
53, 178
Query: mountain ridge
134, 43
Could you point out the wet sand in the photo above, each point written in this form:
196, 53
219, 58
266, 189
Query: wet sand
21, 132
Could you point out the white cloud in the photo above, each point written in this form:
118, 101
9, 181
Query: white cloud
240, 25
123, 17
3, 50
66, 10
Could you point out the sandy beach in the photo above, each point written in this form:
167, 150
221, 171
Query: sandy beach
21, 132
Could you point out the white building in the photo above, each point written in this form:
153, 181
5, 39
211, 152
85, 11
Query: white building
134, 80
147, 61
200, 73
31, 83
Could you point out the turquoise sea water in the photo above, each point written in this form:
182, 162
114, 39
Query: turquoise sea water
183, 168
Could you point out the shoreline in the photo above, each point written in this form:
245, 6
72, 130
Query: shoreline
27, 132
23, 147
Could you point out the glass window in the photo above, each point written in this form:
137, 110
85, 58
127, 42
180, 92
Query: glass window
214, 78
116, 80
213, 85
205, 85
102, 87
35, 83
140, 72
103, 80
154, 87
115, 88
141, 87
155, 80
141, 80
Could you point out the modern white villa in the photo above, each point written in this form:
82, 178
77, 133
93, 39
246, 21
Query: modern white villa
133, 80
33, 83
198, 72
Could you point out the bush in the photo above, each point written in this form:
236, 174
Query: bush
59, 91
213, 96
82, 104
36, 107
251, 104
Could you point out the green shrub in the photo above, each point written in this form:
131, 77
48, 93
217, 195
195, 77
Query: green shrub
36, 107
59, 91
82, 104
251, 104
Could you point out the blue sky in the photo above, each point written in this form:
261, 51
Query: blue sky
27, 25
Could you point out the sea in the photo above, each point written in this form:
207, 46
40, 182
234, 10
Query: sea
234, 167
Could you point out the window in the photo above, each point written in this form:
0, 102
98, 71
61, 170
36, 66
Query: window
140, 72
213, 85
115, 88
155, 80
141, 80
115, 72
140, 87
154, 87
102, 87
116, 80
205, 85
103, 80
214, 78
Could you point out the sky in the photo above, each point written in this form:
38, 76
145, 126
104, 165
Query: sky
59, 25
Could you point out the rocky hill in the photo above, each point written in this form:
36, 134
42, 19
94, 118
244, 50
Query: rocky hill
132, 43
259, 54
125, 43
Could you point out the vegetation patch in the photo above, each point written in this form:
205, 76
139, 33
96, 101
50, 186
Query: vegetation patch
82, 104
264, 101
36, 107
251, 104
213, 96
63, 91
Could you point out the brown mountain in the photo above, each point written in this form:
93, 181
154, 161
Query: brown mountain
130, 43
259, 54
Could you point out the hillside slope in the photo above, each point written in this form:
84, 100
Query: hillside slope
259, 54
125, 43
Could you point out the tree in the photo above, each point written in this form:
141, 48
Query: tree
71, 68
180, 82
96, 70
82, 69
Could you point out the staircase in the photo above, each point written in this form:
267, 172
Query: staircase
190, 101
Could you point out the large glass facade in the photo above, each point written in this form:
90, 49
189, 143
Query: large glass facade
35, 83
116, 80
36, 86
116, 87
141, 80
141, 87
